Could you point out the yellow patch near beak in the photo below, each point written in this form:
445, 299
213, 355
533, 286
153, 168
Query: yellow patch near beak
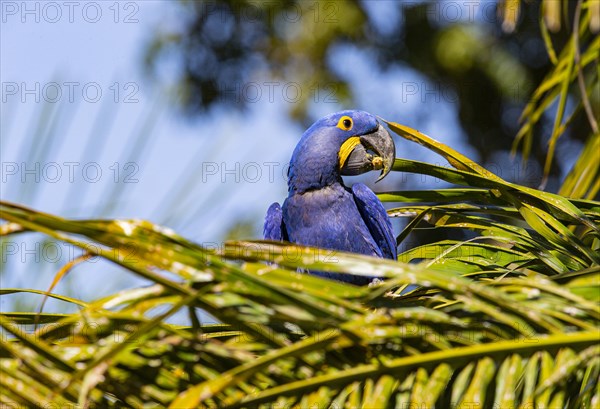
346, 149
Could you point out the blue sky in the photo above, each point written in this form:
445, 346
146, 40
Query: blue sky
79, 71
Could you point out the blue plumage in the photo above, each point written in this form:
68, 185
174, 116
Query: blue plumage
319, 210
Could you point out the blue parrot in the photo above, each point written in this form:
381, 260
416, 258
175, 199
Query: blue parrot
320, 210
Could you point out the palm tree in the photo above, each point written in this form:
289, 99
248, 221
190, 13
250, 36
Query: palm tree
508, 317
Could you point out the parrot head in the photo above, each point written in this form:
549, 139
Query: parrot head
344, 143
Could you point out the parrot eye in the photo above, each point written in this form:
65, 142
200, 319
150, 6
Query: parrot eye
345, 123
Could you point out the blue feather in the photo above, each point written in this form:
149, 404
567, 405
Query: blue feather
274, 228
319, 210
376, 218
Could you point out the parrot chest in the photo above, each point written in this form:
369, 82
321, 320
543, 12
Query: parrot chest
328, 218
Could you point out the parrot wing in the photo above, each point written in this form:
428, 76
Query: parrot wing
274, 228
376, 219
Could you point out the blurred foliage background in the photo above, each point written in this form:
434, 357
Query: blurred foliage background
486, 57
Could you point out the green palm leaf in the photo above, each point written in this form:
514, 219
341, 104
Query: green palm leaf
292, 338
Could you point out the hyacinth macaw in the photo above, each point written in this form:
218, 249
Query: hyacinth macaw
320, 210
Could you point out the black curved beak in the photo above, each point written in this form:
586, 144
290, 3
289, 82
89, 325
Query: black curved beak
375, 151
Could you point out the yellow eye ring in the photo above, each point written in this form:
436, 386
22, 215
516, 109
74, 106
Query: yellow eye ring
345, 123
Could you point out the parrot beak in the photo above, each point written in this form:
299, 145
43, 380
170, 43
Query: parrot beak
372, 151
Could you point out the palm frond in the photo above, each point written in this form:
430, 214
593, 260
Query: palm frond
288, 338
